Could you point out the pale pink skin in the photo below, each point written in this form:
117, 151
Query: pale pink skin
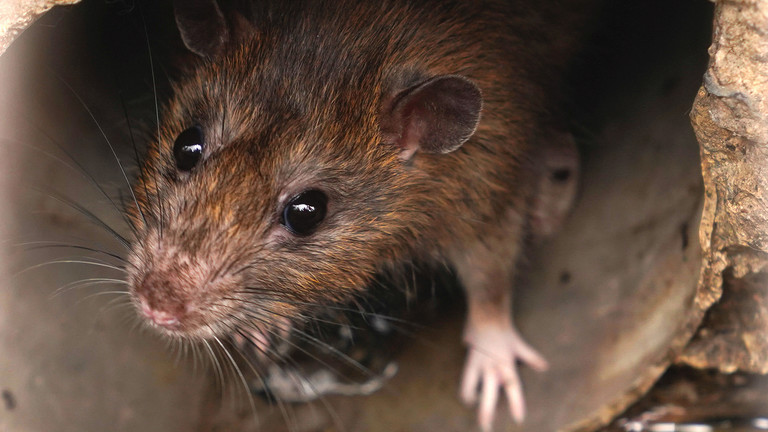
494, 349
494, 344
487, 271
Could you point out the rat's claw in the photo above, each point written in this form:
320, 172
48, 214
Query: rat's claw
514, 391
528, 355
491, 365
470, 380
490, 395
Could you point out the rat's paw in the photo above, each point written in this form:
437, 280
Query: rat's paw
491, 365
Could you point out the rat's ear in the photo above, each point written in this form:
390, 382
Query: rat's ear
202, 26
436, 116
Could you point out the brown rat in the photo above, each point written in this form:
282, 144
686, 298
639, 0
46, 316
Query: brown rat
315, 144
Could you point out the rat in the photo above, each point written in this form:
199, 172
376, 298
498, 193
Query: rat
314, 144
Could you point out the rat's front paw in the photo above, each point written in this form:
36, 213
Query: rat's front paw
491, 365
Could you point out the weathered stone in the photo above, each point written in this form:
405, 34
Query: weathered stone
16, 15
730, 118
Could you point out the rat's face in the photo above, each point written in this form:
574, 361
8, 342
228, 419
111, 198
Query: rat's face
253, 209
281, 183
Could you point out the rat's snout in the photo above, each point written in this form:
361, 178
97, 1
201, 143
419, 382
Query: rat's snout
161, 301
180, 291
161, 318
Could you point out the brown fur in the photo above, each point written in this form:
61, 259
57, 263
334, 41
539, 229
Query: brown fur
296, 102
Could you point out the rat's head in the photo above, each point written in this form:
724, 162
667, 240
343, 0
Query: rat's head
275, 186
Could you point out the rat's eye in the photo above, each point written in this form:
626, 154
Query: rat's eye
188, 148
305, 211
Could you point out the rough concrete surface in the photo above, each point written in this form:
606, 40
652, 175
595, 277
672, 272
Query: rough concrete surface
16, 15
730, 116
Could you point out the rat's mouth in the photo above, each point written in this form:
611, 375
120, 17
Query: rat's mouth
185, 320
181, 330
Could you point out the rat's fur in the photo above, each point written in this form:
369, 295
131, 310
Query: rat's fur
301, 95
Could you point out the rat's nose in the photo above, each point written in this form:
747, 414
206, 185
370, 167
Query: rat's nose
159, 317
